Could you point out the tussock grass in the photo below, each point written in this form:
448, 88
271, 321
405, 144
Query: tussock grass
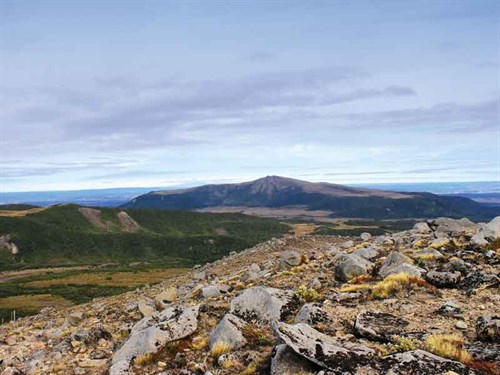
448, 346
143, 360
220, 348
395, 283
355, 288
199, 342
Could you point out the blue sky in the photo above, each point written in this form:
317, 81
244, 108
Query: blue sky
157, 93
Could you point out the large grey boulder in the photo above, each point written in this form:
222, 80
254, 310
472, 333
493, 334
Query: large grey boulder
398, 263
151, 334
368, 253
284, 361
289, 259
214, 290
488, 328
350, 266
322, 349
228, 331
420, 362
311, 313
265, 304
421, 228
494, 227
444, 227
379, 326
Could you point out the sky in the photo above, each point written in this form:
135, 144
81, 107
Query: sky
113, 93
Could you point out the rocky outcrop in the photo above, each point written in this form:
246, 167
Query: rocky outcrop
7, 244
420, 362
322, 349
151, 334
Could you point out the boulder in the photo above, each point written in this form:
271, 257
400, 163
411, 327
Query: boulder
322, 349
420, 362
311, 313
444, 226
488, 328
365, 236
478, 239
284, 361
398, 263
146, 307
229, 331
484, 351
265, 304
443, 279
368, 253
440, 242
352, 265
347, 244
379, 326
494, 227
151, 334
214, 290
421, 228
289, 259
167, 296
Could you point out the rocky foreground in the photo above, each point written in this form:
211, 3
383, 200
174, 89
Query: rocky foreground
423, 301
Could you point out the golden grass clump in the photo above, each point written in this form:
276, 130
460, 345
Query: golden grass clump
355, 288
231, 363
361, 279
448, 346
219, 348
199, 342
395, 283
143, 360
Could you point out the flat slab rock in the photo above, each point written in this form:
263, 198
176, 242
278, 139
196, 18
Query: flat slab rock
379, 326
322, 349
265, 304
420, 362
151, 334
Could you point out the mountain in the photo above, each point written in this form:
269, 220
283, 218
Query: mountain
337, 200
75, 235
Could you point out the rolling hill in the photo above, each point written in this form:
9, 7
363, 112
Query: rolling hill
276, 192
74, 235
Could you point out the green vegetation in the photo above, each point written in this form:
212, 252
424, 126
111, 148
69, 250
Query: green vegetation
356, 227
61, 235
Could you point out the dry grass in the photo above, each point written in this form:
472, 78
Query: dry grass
20, 213
199, 342
361, 279
232, 363
220, 348
143, 360
126, 279
32, 302
395, 283
448, 346
355, 288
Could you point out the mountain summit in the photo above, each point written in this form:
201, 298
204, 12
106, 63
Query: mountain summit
275, 192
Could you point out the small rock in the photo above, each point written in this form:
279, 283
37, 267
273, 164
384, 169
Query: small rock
450, 309
74, 318
167, 296
420, 362
146, 307
379, 326
367, 252
422, 228
290, 259
461, 324
443, 279
398, 263
215, 290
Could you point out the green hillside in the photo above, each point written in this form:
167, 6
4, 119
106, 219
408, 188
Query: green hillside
63, 235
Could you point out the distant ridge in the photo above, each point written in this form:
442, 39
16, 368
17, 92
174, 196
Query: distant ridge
338, 200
